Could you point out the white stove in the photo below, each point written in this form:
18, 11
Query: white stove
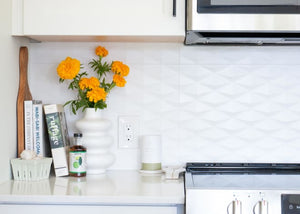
240, 188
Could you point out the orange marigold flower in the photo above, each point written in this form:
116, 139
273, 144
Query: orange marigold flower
93, 83
125, 70
68, 68
90, 83
119, 68
101, 51
96, 95
119, 80
83, 83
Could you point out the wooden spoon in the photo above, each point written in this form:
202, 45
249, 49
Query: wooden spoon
23, 94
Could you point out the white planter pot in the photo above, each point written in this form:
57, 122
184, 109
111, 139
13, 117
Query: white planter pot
94, 129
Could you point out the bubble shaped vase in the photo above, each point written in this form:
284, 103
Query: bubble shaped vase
94, 129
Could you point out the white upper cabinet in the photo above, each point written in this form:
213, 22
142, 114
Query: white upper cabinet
98, 18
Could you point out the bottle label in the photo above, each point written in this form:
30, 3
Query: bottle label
77, 162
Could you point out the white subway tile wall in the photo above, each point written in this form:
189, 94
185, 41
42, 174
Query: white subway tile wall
209, 103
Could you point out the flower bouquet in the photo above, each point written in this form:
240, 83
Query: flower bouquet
92, 91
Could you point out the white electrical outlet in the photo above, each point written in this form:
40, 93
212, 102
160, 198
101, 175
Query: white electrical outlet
128, 132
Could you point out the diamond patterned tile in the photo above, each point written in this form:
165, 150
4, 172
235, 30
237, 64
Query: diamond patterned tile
209, 103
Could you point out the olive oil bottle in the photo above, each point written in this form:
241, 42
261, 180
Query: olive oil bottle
77, 157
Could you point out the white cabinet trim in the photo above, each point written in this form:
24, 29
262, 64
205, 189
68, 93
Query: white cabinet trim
17, 17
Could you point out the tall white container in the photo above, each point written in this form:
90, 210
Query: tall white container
151, 152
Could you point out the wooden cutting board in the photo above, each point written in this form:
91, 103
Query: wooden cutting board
23, 94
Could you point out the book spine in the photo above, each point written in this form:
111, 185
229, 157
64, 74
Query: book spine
57, 137
28, 128
39, 140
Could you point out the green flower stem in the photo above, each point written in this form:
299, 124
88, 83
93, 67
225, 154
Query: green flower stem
112, 85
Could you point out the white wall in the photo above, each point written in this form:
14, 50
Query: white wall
210, 103
8, 90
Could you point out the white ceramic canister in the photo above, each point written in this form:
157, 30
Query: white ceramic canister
150, 152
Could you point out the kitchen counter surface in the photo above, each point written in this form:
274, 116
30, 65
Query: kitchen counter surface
114, 187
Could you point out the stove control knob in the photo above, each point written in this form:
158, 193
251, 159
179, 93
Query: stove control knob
261, 207
236, 207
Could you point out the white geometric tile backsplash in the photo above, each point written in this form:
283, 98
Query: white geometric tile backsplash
209, 103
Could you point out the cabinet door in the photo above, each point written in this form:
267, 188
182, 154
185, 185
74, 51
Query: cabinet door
103, 17
77, 209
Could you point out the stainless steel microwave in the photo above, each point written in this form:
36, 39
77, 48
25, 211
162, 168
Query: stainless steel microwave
242, 21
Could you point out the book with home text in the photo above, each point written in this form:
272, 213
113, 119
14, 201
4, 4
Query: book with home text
40, 139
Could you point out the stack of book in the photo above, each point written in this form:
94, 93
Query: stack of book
46, 128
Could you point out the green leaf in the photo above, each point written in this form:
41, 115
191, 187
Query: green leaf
73, 106
67, 103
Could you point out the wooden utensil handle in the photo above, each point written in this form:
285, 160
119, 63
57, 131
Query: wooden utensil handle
23, 94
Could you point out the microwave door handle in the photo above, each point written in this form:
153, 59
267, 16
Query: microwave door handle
174, 8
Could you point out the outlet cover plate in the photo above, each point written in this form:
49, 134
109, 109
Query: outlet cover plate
128, 132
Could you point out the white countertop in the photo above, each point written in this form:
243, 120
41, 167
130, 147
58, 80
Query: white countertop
114, 187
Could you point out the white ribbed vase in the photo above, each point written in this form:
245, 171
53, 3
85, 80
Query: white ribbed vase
94, 129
